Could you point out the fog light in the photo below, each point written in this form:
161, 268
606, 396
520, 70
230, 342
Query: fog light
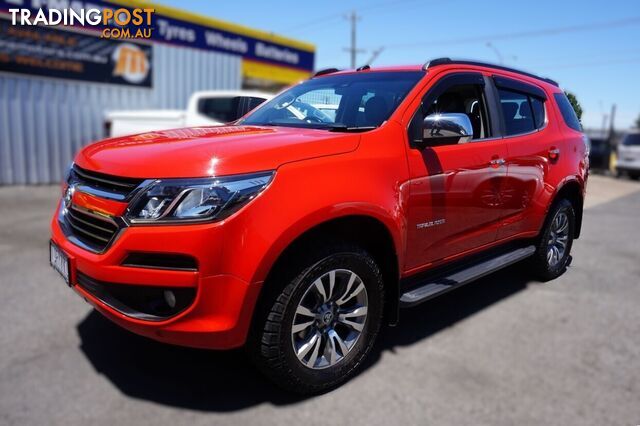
170, 298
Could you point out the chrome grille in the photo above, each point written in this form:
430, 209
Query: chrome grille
92, 230
100, 184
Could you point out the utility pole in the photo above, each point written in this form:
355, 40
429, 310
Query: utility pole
612, 118
353, 50
605, 117
610, 140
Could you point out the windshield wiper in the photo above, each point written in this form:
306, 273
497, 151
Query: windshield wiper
345, 128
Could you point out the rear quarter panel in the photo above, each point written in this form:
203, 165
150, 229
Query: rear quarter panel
574, 158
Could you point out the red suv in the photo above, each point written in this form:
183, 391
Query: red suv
303, 227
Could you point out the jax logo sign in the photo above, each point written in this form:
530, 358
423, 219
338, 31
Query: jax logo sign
113, 23
131, 63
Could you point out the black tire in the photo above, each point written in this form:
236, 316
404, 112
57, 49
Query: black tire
541, 266
634, 176
270, 343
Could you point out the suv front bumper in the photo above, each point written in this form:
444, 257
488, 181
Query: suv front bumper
217, 317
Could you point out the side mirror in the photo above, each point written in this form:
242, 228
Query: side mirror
438, 129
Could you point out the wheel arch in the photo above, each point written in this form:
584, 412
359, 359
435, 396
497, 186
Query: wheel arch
573, 190
376, 235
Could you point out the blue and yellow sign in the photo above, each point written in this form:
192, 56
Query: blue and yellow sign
265, 55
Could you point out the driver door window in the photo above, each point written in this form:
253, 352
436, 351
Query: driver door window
465, 99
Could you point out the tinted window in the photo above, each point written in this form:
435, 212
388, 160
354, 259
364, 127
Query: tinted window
538, 111
254, 103
220, 109
465, 99
517, 112
631, 140
342, 101
567, 111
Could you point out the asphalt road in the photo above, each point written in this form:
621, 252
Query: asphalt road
504, 350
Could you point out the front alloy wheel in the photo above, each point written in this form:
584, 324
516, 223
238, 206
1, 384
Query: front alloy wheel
329, 319
313, 333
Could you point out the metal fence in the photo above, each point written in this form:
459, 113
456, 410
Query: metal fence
43, 122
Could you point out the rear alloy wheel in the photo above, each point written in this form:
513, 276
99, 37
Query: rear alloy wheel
314, 333
554, 245
558, 238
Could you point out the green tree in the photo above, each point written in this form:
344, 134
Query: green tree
575, 104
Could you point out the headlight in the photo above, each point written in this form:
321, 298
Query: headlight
195, 200
65, 180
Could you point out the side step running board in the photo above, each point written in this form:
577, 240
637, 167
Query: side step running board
433, 286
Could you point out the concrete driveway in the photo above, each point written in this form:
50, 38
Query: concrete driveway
505, 350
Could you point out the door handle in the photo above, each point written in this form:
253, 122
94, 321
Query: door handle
554, 153
497, 162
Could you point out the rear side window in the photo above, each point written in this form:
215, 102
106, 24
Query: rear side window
220, 109
567, 111
537, 107
522, 113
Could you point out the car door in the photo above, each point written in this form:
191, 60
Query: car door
454, 203
531, 145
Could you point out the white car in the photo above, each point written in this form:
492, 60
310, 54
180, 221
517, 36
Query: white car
629, 155
211, 108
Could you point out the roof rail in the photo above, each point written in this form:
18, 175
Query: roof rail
445, 61
435, 62
364, 67
326, 71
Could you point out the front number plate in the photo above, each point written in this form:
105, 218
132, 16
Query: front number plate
59, 261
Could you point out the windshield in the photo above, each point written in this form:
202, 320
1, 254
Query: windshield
355, 101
